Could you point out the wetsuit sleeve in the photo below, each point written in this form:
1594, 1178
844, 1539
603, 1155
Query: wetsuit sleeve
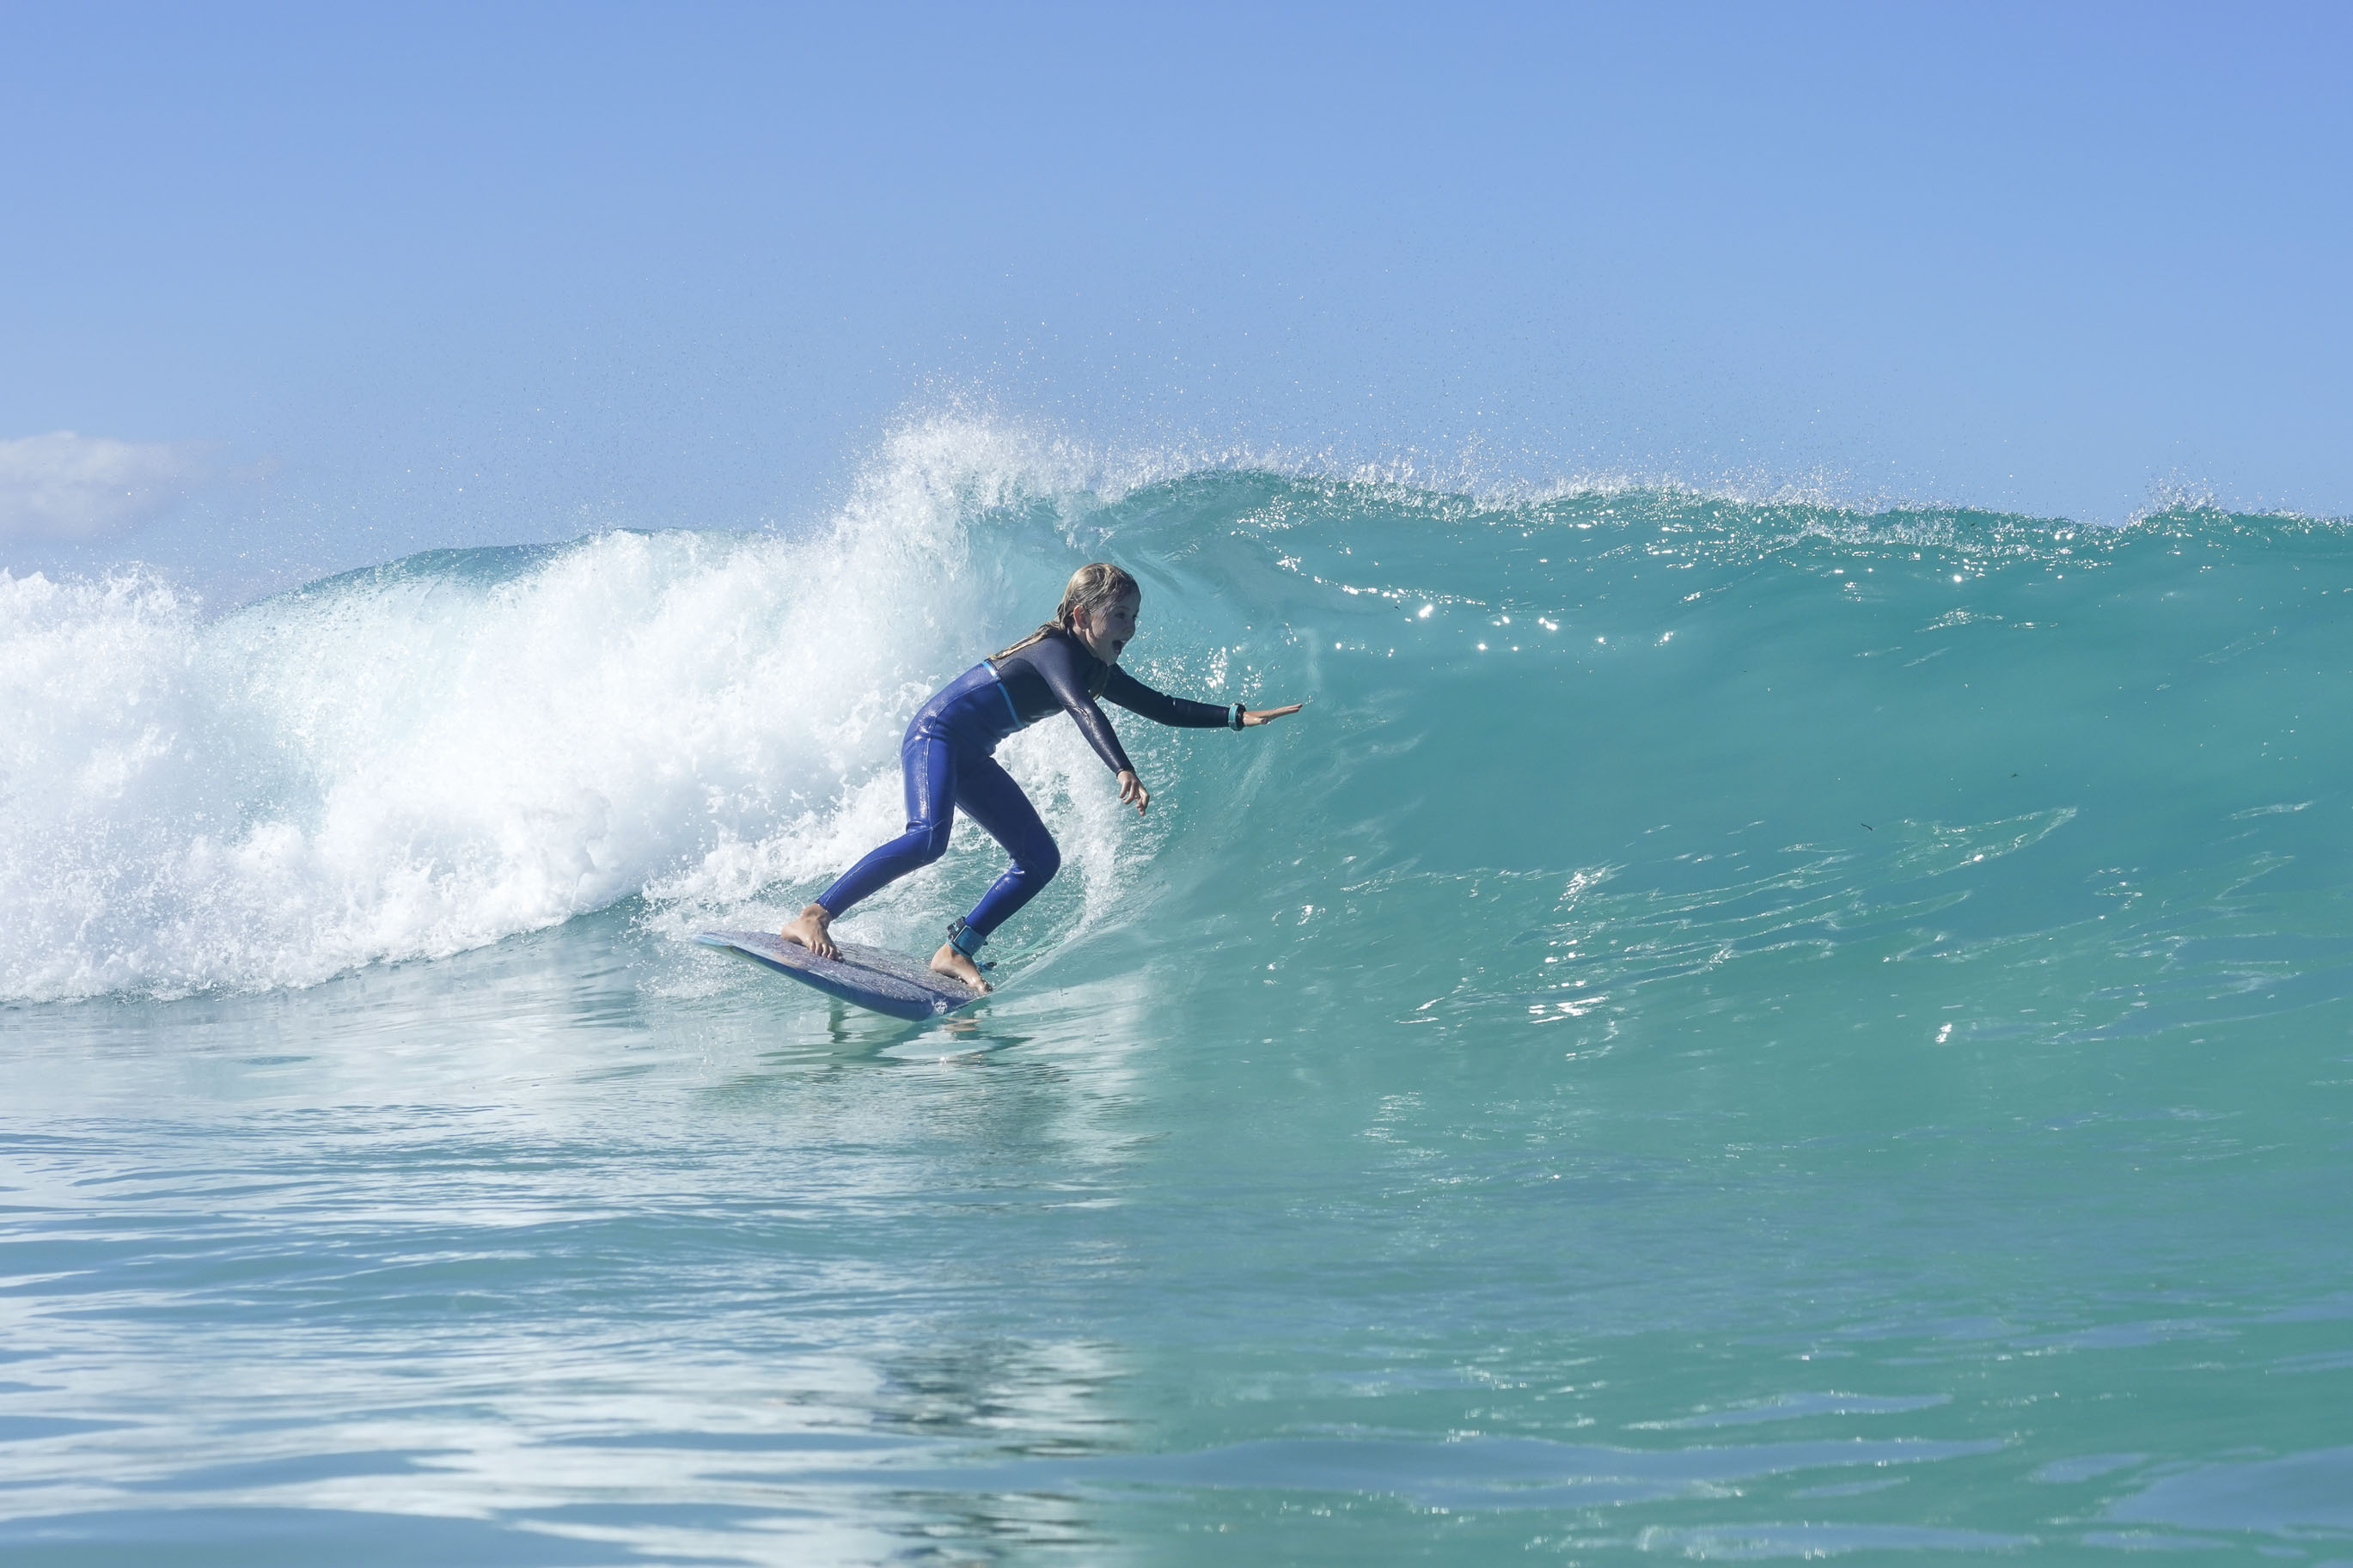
1053, 661
1180, 712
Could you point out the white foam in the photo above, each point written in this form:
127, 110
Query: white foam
428, 758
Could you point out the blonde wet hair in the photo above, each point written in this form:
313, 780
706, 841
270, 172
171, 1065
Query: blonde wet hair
1094, 588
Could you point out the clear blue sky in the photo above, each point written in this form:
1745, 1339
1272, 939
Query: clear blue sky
416, 275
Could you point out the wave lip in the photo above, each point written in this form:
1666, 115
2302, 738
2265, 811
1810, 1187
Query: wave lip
430, 756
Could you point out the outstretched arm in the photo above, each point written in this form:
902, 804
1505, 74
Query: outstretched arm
1162, 708
1182, 712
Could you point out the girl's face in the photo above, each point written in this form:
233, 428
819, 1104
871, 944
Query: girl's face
1106, 634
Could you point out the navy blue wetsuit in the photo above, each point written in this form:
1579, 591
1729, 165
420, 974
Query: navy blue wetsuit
949, 762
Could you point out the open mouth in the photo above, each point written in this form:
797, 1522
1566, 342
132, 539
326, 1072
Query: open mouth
1116, 646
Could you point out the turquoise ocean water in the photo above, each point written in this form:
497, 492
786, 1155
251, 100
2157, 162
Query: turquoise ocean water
1728, 1030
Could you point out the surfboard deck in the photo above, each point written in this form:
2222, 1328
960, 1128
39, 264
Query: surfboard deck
870, 977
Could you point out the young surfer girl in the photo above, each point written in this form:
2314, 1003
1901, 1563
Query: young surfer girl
1065, 664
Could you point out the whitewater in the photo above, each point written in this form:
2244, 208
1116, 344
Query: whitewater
1732, 1026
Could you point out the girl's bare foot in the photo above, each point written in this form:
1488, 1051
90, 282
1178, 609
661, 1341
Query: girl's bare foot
951, 962
808, 928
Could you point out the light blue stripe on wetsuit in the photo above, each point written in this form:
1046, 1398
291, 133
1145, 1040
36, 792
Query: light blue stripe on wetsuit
947, 762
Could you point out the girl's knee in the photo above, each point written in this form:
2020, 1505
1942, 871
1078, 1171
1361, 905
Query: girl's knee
1041, 860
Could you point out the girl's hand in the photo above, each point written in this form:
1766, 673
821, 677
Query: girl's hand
1132, 792
1267, 715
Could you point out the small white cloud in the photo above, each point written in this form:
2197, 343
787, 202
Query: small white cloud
63, 486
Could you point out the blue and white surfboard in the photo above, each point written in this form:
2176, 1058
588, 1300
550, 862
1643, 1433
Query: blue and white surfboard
870, 977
